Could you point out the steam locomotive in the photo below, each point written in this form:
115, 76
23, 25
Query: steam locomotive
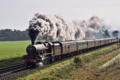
43, 53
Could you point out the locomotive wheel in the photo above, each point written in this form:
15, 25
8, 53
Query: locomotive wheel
25, 64
49, 60
39, 64
45, 62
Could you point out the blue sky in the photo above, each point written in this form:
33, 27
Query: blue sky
15, 14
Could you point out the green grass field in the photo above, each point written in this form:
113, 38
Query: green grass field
13, 49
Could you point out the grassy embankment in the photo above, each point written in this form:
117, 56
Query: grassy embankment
12, 51
84, 67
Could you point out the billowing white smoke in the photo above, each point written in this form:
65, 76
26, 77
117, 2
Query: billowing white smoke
56, 28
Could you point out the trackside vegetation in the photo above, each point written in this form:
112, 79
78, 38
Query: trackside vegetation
83, 67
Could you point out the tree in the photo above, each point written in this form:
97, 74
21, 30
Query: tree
115, 33
106, 34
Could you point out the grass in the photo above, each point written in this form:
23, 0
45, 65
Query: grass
85, 67
113, 61
11, 52
13, 49
8, 62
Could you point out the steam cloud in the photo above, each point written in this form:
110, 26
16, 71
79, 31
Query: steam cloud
56, 28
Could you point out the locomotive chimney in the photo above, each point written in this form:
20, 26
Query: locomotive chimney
33, 33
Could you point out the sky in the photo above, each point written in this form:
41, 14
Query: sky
16, 14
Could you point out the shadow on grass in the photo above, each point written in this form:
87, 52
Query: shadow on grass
9, 62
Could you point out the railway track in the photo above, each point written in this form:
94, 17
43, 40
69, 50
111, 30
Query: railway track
11, 69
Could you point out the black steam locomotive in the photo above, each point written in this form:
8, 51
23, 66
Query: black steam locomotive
44, 53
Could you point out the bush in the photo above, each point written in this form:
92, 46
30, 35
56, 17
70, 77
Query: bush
79, 61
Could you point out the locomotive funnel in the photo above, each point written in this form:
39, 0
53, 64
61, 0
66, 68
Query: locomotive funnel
33, 33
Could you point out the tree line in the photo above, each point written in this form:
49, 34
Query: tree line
13, 35
16, 35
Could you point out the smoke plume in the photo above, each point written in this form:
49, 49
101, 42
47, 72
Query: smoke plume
56, 28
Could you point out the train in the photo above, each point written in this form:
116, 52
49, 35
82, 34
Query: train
42, 53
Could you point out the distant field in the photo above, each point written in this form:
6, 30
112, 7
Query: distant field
12, 49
